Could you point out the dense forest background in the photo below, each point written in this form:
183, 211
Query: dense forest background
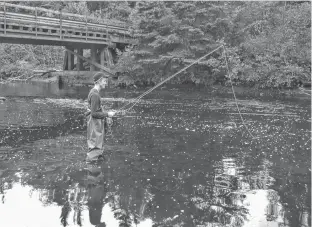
268, 43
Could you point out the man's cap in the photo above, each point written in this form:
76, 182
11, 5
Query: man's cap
99, 75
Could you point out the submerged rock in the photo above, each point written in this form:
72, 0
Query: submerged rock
2, 98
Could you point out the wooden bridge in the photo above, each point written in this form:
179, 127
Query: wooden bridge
40, 26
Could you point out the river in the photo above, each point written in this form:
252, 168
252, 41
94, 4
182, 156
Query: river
181, 157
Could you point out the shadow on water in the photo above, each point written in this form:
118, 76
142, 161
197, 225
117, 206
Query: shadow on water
173, 161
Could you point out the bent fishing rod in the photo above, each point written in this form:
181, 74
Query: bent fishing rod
136, 100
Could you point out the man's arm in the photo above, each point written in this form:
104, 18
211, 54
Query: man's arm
95, 113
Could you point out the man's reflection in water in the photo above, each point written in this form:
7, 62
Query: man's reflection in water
65, 212
97, 197
90, 190
97, 189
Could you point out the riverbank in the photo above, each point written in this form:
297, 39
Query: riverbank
84, 79
71, 78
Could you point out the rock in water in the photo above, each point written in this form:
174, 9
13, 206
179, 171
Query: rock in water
2, 98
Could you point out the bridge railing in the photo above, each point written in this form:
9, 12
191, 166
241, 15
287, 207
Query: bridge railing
42, 21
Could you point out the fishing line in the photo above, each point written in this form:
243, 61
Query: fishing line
162, 82
228, 70
136, 100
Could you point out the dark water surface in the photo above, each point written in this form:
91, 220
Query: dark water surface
179, 158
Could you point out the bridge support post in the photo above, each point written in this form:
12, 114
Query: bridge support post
79, 61
106, 58
70, 59
102, 56
109, 56
93, 57
105, 69
65, 64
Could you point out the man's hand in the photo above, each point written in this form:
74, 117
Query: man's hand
111, 113
87, 112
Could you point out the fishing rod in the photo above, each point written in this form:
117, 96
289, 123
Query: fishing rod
136, 100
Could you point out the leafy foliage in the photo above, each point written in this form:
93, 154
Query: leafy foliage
276, 48
20, 60
268, 43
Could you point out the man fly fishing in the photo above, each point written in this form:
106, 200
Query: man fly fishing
96, 118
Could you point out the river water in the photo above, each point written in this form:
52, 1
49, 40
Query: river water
181, 157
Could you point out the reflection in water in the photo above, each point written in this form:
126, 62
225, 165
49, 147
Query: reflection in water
92, 201
242, 200
220, 201
186, 166
96, 188
92, 195
105, 203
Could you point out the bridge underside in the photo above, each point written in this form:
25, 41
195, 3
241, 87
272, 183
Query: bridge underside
54, 42
102, 54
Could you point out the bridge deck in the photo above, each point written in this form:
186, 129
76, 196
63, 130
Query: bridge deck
47, 27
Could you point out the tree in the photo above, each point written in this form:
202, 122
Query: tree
267, 43
275, 49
